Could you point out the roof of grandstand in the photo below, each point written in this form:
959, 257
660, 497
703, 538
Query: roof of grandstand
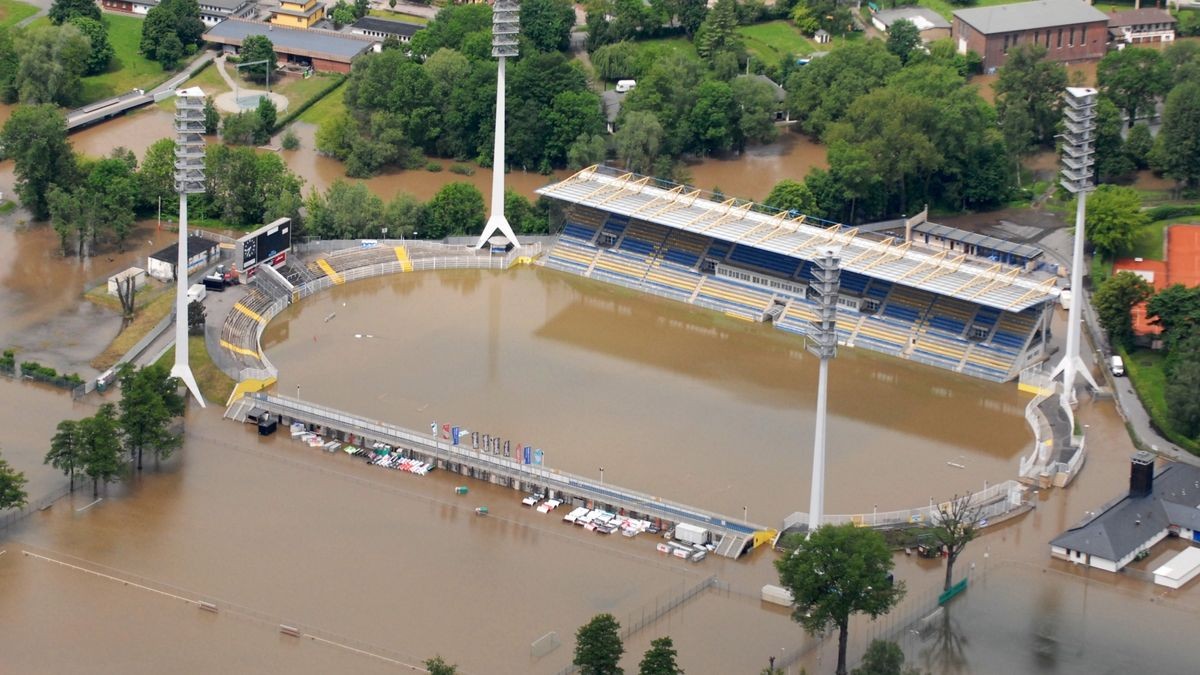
980, 240
763, 227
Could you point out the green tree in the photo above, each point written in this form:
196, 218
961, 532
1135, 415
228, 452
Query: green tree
35, 138
240, 182
1111, 159
437, 666
62, 11
598, 647
586, 151
1180, 134
883, 657
690, 14
1138, 144
791, 196
361, 7
156, 178
73, 213
259, 48
1030, 87
1133, 78
102, 458
10, 63
660, 659
196, 317
97, 35
831, 15
243, 128
346, 211
548, 23
838, 571
113, 185
524, 218
212, 116
712, 118
451, 27
1114, 219
717, 35
1183, 381
341, 14
616, 61
821, 92
1176, 309
52, 61
12, 487
955, 524
457, 208
266, 119
1114, 300
1183, 60
904, 38
66, 449
148, 404
170, 28
638, 141
756, 107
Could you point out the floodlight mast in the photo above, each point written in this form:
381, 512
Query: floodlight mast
506, 24
822, 343
189, 179
1078, 157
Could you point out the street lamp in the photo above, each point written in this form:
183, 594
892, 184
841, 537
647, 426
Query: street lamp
602, 475
297, 392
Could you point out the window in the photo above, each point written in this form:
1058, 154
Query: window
1083, 36
1060, 38
1071, 38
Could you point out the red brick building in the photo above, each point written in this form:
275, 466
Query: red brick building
1071, 30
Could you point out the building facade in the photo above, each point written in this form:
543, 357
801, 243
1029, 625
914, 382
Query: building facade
930, 24
1141, 26
212, 12
382, 28
1070, 30
322, 50
298, 13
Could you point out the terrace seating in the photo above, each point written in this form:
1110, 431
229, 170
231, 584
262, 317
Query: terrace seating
352, 258
907, 304
625, 269
878, 290
684, 248
943, 351
734, 298
239, 333
643, 238
884, 334
1012, 330
988, 363
798, 318
951, 315
853, 284
569, 255
579, 232
718, 249
589, 218
767, 261
672, 280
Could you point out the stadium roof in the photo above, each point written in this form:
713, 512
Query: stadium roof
1021, 16
680, 207
981, 240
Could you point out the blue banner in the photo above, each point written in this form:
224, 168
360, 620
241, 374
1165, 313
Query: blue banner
454, 434
528, 454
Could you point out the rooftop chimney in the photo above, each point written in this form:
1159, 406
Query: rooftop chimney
1141, 474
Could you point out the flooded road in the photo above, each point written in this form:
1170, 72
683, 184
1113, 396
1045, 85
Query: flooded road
673, 400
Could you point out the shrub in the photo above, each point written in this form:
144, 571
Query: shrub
433, 167
1172, 211
462, 169
291, 141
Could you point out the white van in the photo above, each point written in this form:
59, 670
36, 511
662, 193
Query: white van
196, 293
1117, 366
625, 85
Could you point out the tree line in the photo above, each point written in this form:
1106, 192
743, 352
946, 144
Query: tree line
90, 201
103, 446
45, 64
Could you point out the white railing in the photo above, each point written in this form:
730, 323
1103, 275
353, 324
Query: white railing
993, 501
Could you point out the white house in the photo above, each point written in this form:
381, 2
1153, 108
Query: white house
201, 252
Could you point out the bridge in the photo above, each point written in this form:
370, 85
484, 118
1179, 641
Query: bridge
733, 537
99, 111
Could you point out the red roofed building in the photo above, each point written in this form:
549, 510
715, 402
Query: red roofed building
1182, 266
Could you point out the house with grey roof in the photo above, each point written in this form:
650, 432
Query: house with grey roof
212, 12
930, 24
1070, 30
1138, 26
1156, 506
323, 50
371, 26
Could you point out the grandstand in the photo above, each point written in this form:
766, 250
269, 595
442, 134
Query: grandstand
752, 262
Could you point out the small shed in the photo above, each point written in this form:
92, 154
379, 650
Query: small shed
136, 273
1180, 569
201, 252
822, 36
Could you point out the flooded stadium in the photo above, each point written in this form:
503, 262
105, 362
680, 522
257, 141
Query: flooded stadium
672, 400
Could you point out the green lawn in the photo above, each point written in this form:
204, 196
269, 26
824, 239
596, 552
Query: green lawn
769, 42
398, 16
13, 12
660, 47
129, 70
298, 89
1150, 243
327, 108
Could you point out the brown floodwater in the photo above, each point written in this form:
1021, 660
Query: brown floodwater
677, 401
752, 174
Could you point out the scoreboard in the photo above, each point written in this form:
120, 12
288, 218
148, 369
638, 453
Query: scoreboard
268, 245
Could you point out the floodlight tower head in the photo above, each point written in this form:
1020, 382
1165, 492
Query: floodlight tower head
506, 25
1079, 139
824, 289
